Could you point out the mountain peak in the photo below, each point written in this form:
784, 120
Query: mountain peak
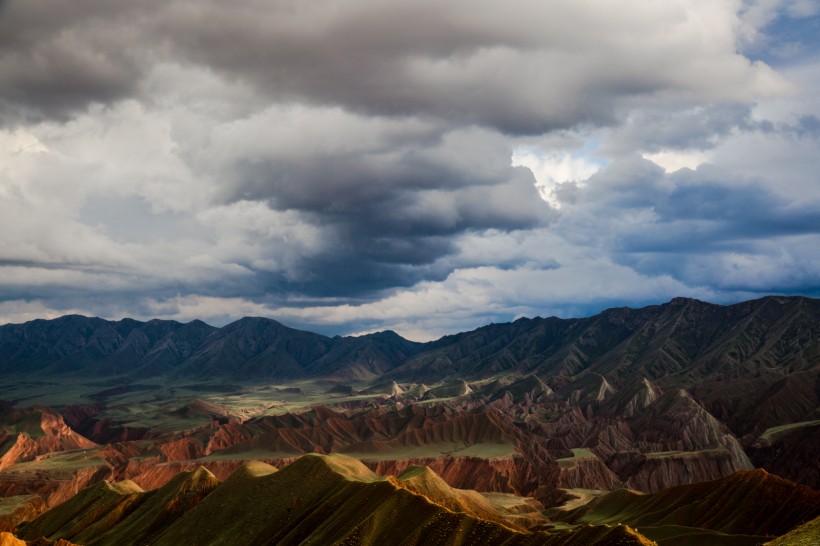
342, 466
245, 322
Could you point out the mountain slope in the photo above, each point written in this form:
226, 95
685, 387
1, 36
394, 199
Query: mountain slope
121, 513
679, 342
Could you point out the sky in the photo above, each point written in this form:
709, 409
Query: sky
349, 166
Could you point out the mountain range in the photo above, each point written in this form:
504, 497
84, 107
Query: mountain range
530, 426
682, 341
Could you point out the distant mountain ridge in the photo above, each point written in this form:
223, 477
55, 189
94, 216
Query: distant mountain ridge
684, 340
683, 335
245, 349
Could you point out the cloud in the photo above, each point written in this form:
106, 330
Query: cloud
19, 311
386, 202
553, 169
472, 297
525, 67
55, 59
740, 223
423, 166
675, 160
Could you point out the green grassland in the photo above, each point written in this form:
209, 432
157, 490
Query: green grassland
60, 461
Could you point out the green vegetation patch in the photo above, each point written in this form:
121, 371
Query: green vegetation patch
483, 451
679, 535
578, 453
62, 460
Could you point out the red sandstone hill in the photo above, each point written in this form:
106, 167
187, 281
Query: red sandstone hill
25, 434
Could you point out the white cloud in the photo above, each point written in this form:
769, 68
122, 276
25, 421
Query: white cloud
552, 168
675, 160
21, 142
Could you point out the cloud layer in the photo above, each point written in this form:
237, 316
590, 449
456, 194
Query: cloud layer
427, 167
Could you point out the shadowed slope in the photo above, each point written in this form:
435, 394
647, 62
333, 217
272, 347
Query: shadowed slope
122, 513
102, 501
807, 534
159, 509
790, 451
365, 357
249, 347
675, 344
745, 503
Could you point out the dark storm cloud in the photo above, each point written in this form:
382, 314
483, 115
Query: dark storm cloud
389, 196
399, 194
697, 210
59, 57
522, 67
749, 211
391, 225
393, 59
703, 227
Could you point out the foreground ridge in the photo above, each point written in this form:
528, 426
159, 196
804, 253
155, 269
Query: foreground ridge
317, 499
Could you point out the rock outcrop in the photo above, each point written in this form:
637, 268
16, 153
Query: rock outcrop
7, 539
50, 436
15, 510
